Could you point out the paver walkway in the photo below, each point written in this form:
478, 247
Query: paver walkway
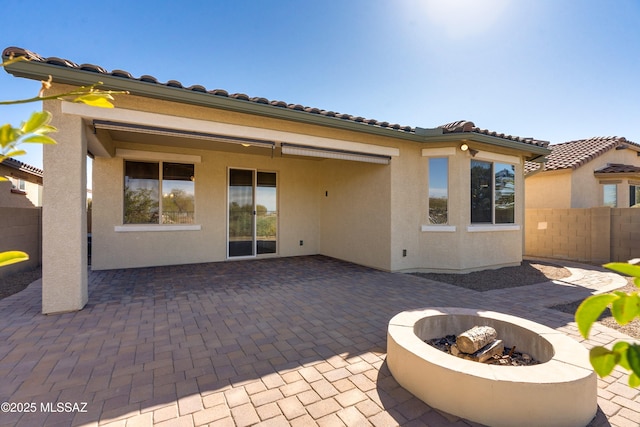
274, 342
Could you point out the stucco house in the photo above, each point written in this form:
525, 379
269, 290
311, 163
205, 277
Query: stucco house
23, 185
189, 175
586, 173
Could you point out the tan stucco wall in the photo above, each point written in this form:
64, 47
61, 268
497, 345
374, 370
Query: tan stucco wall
359, 212
64, 219
462, 249
298, 207
549, 190
355, 212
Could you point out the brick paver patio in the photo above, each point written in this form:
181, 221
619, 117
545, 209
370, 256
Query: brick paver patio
274, 342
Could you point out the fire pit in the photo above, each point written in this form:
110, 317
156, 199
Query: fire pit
560, 391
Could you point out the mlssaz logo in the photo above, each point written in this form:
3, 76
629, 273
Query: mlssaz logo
63, 407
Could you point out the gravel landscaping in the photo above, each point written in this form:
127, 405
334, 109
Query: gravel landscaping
16, 282
530, 273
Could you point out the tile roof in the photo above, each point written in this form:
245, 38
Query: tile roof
18, 165
466, 126
618, 168
573, 154
454, 127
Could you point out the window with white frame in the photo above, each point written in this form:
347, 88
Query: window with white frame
492, 192
438, 190
159, 193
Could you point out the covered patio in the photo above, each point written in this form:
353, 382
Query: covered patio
281, 341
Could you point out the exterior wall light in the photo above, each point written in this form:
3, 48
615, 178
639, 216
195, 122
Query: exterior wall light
465, 147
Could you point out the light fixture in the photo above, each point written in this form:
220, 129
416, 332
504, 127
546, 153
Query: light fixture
465, 147
305, 150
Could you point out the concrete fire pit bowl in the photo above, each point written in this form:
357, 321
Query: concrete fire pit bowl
560, 391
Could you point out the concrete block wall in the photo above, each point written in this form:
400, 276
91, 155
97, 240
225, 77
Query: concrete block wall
21, 230
625, 231
595, 235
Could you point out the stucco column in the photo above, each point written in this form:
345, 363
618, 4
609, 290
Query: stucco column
64, 219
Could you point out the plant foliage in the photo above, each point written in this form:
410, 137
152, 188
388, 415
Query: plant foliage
37, 128
624, 307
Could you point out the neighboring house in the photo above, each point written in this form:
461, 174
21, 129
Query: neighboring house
187, 175
24, 186
20, 213
594, 172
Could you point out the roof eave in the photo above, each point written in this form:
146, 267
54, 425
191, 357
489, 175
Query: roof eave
535, 151
41, 71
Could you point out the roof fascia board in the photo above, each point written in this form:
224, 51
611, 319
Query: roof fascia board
40, 71
487, 139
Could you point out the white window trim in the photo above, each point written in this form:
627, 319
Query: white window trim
155, 227
439, 228
492, 228
439, 152
497, 158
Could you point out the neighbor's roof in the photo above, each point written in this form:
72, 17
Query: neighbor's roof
450, 128
23, 167
573, 154
618, 168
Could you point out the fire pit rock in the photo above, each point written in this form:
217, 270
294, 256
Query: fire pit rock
560, 391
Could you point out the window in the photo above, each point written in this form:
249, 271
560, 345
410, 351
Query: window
438, 190
492, 193
158, 193
634, 195
610, 195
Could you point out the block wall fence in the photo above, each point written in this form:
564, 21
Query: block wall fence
21, 230
595, 235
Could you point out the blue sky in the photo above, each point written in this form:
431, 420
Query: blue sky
556, 70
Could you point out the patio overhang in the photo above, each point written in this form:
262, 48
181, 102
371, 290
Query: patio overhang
104, 126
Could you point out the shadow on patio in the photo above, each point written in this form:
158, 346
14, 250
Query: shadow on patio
291, 340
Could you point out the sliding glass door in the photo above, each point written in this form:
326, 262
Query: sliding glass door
253, 215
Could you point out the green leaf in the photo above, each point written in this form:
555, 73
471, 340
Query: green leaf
603, 360
634, 380
621, 348
36, 121
633, 357
8, 135
12, 257
95, 100
38, 139
624, 268
16, 153
590, 309
625, 308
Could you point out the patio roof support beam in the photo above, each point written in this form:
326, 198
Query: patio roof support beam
64, 216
